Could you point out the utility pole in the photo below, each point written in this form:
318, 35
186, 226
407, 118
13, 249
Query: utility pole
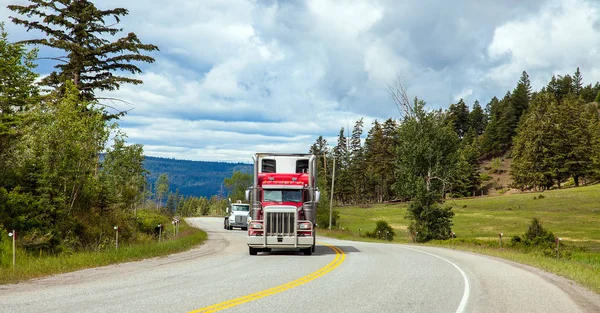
331, 200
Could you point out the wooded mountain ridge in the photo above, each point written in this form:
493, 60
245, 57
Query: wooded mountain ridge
193, 178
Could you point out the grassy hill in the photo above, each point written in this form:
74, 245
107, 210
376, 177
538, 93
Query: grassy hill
572, 214
193, 178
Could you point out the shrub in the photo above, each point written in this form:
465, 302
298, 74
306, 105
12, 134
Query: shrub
495, 166
148, 221
537, 234
381, 228
323, 218
5, 248
485, 177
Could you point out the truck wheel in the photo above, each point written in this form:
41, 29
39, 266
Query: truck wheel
308, 251
313, 249
244, 228
252, 251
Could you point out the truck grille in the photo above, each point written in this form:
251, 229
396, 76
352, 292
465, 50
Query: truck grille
280, 223
240, 219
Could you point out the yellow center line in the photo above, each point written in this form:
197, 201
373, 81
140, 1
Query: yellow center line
340, 256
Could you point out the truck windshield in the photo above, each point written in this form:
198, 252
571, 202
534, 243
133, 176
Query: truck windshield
283, 195
241, 207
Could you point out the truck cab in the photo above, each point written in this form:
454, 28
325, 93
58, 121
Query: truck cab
237, 215
284, 201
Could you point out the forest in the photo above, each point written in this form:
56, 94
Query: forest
552, 137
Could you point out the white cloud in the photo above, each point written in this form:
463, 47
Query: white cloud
238, 76
563, 36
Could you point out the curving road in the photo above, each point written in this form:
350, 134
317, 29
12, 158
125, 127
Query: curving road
341, 276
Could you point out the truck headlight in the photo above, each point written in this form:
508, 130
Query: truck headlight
304, 226
256, 225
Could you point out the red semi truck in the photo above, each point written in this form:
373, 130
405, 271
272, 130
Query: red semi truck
283, 199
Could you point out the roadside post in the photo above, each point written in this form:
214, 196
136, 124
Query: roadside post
14, 247
500, 238
557, 240
159, 232
116, 237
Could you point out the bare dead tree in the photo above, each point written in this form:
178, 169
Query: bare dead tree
398, 92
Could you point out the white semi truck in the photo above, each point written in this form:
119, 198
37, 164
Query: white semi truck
237, 215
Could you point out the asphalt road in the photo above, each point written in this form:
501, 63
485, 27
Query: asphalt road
341, 276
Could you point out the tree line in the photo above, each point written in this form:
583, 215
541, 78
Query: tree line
68, 175
551, 135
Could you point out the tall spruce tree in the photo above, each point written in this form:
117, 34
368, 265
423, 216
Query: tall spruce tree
17, 93
577, 82
555, 141
356, 168
77, 27
458, 115
477, 118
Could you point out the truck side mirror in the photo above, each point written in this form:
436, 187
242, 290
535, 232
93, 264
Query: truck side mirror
248, 194
317, 196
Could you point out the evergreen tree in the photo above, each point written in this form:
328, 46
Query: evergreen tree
520, 98
555, 141
356, 168
577, 82
343, 185
458, 115
478, 119
80, 29
17, 94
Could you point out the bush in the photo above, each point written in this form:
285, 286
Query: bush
485, 177
5, 248
495, 166
148, 221
537, 234
323, 218
381, 228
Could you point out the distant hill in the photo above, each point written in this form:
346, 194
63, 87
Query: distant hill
193, 178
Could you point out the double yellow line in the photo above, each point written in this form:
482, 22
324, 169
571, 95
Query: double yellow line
340, 256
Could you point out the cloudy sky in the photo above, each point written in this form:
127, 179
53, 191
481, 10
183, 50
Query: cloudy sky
234, 77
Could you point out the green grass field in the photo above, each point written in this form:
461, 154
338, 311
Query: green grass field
572, 214
31, 266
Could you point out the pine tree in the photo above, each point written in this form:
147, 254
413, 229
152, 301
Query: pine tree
17, 93
343, 187
554, 142
577, 82
458, 115
356, 168
521, 97
80, 29
477, 118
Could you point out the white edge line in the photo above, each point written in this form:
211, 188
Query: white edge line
465, 298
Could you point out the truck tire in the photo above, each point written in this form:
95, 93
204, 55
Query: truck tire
252, 251
308, 251
313, 248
